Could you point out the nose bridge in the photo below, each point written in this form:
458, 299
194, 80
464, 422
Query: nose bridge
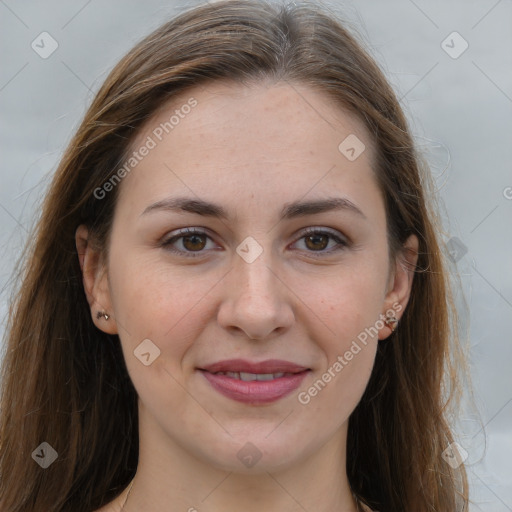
256, 300
256, 280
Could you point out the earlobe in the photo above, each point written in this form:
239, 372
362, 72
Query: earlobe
95, 281
400, 287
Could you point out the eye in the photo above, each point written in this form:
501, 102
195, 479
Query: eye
317, 240
192, 242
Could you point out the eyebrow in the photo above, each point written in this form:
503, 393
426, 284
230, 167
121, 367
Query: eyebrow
289, 211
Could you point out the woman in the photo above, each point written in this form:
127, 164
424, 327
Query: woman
235, 298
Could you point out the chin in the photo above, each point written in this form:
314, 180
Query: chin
256, 455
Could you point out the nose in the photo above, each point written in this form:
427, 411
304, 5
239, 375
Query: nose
256, 300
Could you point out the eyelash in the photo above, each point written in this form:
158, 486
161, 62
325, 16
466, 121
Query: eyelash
183, 233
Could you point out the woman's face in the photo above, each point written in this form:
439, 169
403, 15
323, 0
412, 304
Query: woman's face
253, 169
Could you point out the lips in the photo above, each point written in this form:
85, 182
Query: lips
254, 382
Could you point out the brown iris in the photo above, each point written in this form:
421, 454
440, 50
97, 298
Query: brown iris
194, 242
315, 239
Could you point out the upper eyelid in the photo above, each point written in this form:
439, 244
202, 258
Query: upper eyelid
329, 231
205, 231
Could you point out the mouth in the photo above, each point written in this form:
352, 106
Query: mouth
254, 383
249, 377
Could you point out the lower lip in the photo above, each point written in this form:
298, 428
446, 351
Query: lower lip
255, 392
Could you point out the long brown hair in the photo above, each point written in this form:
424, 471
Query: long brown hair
65, 382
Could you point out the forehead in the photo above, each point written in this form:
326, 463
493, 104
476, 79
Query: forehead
258, 138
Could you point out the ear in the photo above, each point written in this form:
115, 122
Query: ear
95, 281
400, 283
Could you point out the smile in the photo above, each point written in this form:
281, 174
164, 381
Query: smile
247, 377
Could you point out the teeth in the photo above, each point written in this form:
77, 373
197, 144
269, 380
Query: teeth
268, 376
246, 377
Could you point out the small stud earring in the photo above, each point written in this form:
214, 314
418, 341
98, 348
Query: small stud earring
100, 314
391, 322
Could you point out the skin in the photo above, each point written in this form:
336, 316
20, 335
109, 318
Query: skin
250, 149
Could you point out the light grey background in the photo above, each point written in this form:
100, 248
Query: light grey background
460, 111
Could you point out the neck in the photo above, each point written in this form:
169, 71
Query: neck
169, 474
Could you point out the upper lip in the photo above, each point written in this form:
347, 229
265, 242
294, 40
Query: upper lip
242, 365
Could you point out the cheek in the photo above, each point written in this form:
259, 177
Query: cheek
349, 356
349, 301
158, 302
167, 306
350, 309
